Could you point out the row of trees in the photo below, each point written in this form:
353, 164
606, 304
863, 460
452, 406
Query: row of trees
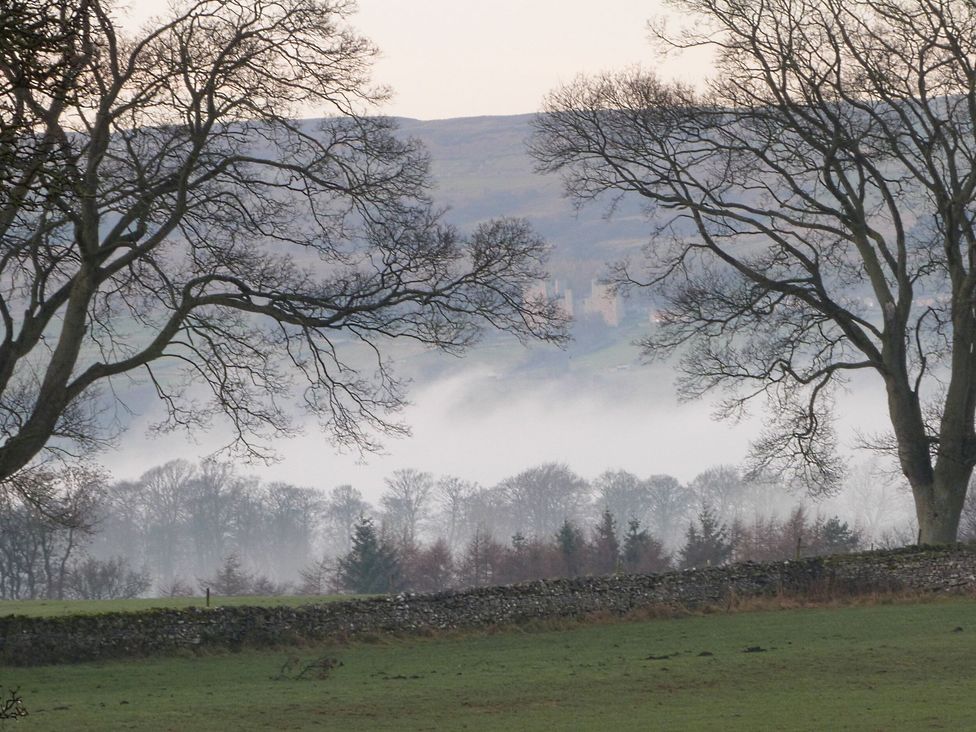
173, 531
181, 521
183, 526
536, 502
376, 563
43, 542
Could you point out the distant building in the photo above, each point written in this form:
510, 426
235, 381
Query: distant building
565, 296
567, 303
554, 289
603, 302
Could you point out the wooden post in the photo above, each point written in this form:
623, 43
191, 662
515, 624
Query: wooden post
208, 597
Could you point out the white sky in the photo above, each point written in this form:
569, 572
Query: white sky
458, 58
462, 58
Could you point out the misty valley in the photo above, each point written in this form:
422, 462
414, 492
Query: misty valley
652, 409
183, 529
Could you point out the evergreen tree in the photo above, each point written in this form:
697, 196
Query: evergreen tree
836, 537
519, 543
371, 566
605, 549
707, 543
571, 544
231, 579
641, 552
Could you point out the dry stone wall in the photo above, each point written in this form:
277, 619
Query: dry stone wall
31, 640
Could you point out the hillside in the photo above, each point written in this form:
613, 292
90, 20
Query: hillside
482, 170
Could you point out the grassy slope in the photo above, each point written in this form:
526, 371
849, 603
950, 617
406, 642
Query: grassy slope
881, 667
88, 607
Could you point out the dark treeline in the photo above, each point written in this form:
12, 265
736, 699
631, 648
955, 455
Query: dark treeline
183, 527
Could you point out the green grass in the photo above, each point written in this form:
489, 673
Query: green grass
879, 667
90, 607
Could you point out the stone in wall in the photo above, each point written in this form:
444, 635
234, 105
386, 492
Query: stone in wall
32, 640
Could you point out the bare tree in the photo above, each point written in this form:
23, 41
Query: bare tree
670, 508
543, 498
162, 213
405, 504
108, 579
40, 539
879, 500
121, 523
453, 496
815, 207
487, 511
211, 496
722, 489
293, 515
344, 508
165, 505
624, 495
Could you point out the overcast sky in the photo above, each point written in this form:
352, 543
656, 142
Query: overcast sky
457, 58
461, 58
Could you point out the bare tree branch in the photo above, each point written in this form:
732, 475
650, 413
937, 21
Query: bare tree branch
163, 212
820, 198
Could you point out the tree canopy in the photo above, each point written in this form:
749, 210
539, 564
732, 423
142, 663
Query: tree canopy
164, 215
814, 218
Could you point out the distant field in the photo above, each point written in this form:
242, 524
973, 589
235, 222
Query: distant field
880, 667
88, 607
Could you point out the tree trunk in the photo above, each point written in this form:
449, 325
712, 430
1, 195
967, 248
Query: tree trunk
939, 507
939, 489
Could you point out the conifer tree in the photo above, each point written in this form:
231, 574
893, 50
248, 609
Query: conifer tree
371, 566
231, 578
837, 537
605, 549
570, 541
707, 543
642, 552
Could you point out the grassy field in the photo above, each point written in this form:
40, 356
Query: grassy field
88, 607
878, 667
